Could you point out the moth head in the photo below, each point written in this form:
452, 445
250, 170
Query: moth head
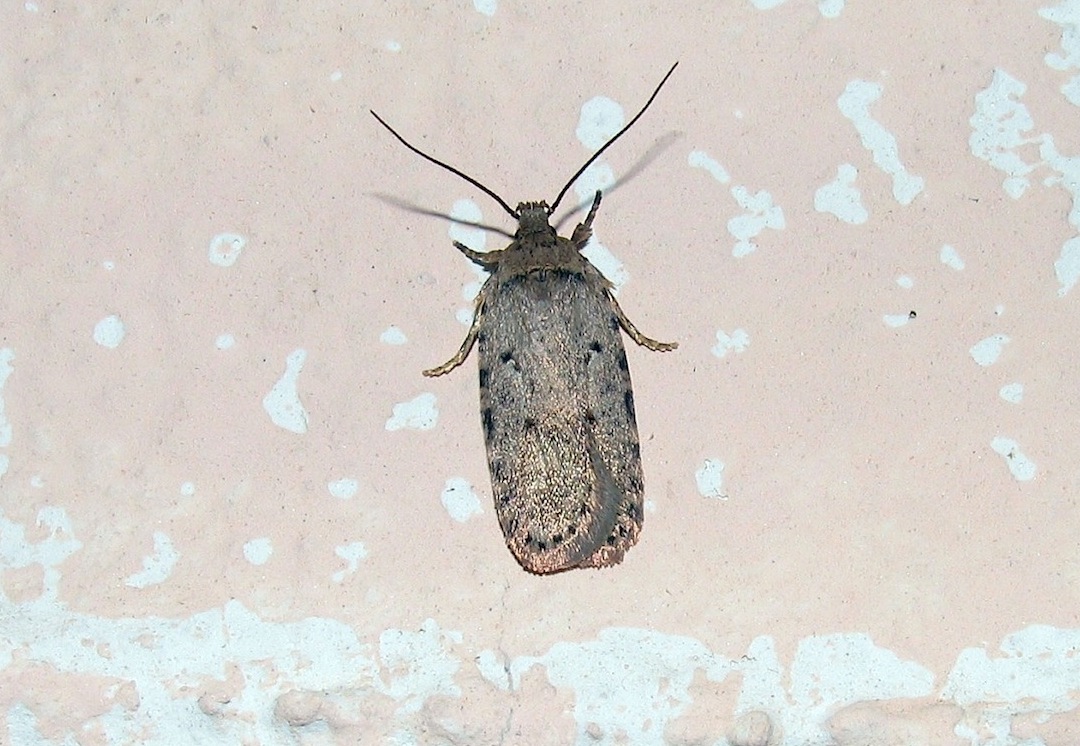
532, 219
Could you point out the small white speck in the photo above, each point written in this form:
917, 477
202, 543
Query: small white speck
600, 119
352, 553
710, 479
460, 500
157, 567
224, 341
950, 258
32, 7
905, 282
417, 414
108, 265
393, 46
1012, 393
393, 336
109, 332
335, 76
735, 342
258, 551
1020, 466
282, 402
896, 320
987, 351
701, 159
37, 482
225, 248
487, 7
343, 489
841, 198
187, 489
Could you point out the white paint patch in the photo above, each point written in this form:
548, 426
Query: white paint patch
710, 479
736, 342
1012, 393
157, 567
486, 7
393, 46
1067, 15
467, 211
417, 414
7, 357
628, 685
1020, 466
830, 8
463, 212
460, 500
225, 249
597, 177
187, 489
335, 76
896, 320
841, 198
225, 341
392, 335
109, 332
282, 403
54, 548
950, 258
1067, 266
701, 159
767, 4
987, 351
1036, 673
761, 214
420, 665
609, 266
108, 265
997, 128
37, 482
352, 553
343, 489
854, 103
258, 551
494, 668
905, 282
600, 119
31, 7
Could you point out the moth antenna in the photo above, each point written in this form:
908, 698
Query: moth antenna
454, 171
595, 155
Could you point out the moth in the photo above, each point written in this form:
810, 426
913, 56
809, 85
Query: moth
556, 402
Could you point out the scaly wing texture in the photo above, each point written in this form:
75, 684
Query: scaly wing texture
558, 417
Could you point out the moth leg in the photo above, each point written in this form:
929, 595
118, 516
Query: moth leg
467, 345
486, 259
636, 335
583, 232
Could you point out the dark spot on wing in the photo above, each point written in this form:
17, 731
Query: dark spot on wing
613, 322
484, 377
628, 399
489, 424
620, 360
590, 418
506, 356
528, 423
596, 346
556, 540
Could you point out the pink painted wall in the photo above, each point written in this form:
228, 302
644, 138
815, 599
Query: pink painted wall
232, 510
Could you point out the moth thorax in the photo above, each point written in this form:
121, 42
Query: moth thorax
533, 218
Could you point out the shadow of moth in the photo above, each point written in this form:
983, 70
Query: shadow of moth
556, 403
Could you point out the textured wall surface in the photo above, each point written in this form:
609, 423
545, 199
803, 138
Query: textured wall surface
233, 511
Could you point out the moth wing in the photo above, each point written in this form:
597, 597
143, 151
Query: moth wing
558, 418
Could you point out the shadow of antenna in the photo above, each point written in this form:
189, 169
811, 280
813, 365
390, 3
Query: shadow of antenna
410, 207
650, 155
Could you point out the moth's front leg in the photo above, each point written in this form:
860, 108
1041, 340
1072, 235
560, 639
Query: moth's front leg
636, 335
583, 232
470, 339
